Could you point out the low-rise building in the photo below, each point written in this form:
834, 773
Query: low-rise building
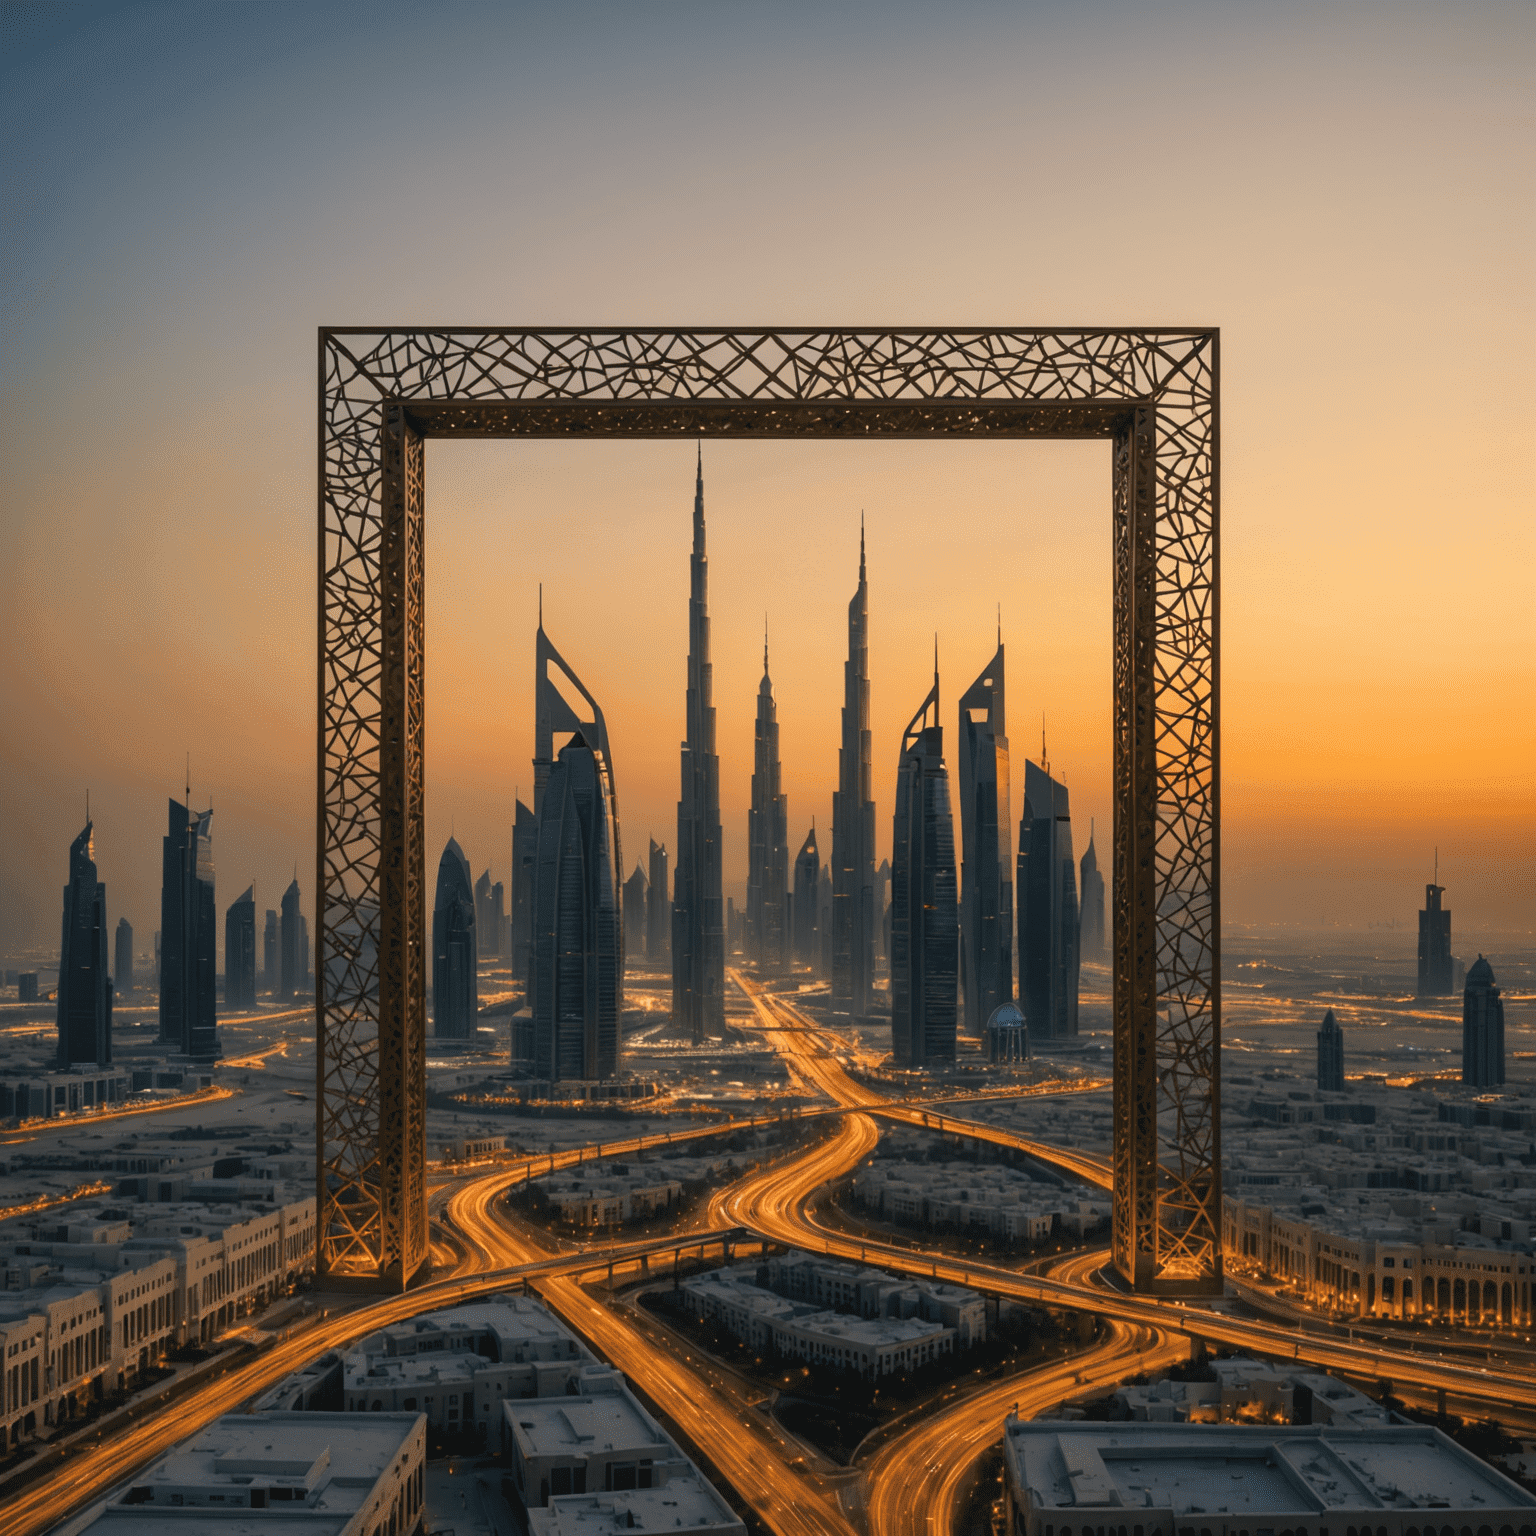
685, 1501
1250, 1391
1079, 1479
119, 1285
838, 1315
312, 1473
596, 1443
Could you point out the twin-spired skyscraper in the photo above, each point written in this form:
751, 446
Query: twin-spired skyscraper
986, 833
925, 918
698, 908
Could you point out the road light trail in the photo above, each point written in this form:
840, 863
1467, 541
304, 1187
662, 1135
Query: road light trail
725, 1434
917, 1480
787, 1219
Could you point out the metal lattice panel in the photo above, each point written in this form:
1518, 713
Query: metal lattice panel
1152, 393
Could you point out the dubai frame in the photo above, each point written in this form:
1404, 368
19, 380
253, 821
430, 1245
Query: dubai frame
1153, 394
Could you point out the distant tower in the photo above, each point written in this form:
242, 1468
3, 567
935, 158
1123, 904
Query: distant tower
294, 957
122, 967
240, 952
578, 941
925, 920
485, 926
635, 914
698, 908
1482, 1029
1434, 945
188, 935
658, 907
1047, 904
883, 911
824, 938
524, 845
271, 955
1007, 1036
807, 883
853, 822
85, 984
498, 915
1330, 1055
986, 833
767, 836
1090, 925
455, 986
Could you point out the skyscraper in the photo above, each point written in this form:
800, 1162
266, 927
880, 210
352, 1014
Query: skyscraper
498, 911
295, 944
485, 927
122, 966
1482, 1029
658, 907
1047, 904
807, 883
824, 940
1434, 945
1330, 1055
524, 846
986, 836
240, 952
578, 942
85, 984
635, 914
767, 835
853, 822
188, 927
925, 919
1092, 933
698, 907
455, 984
271, 956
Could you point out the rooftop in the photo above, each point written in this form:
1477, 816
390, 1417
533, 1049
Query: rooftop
1213, 1469
581, 1426
686, 1502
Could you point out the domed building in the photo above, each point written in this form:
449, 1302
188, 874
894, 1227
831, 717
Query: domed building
1007, 1034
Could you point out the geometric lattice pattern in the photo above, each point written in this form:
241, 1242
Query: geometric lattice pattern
1151, 393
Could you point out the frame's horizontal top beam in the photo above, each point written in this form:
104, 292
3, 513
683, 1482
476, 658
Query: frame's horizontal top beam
1169, 332
768, 418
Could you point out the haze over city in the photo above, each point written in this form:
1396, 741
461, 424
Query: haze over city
835, 836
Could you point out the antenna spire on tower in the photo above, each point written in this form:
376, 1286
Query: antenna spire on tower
861, 544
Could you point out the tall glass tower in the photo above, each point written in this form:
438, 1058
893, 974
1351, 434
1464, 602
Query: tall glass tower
85, 983
240, 952
455, 981
578, 942
698, 910
1047, 903
925, 919
188, 942
807, 884
986, 841
853, 822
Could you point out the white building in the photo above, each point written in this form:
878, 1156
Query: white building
308, 1474
118, 1285
1079, 1479
1251, 1391
686, 1500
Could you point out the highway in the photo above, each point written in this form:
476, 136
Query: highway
915, 1488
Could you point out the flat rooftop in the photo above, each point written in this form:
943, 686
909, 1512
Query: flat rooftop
318, 1470
581, 1426
1214, 1469
686, 1502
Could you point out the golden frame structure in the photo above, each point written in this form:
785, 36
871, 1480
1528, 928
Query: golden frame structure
1153, 394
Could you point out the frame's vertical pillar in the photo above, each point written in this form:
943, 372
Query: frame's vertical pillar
401, 1103
1135, 843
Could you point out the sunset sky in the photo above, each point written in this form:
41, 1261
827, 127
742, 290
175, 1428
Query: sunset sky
1347, 190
